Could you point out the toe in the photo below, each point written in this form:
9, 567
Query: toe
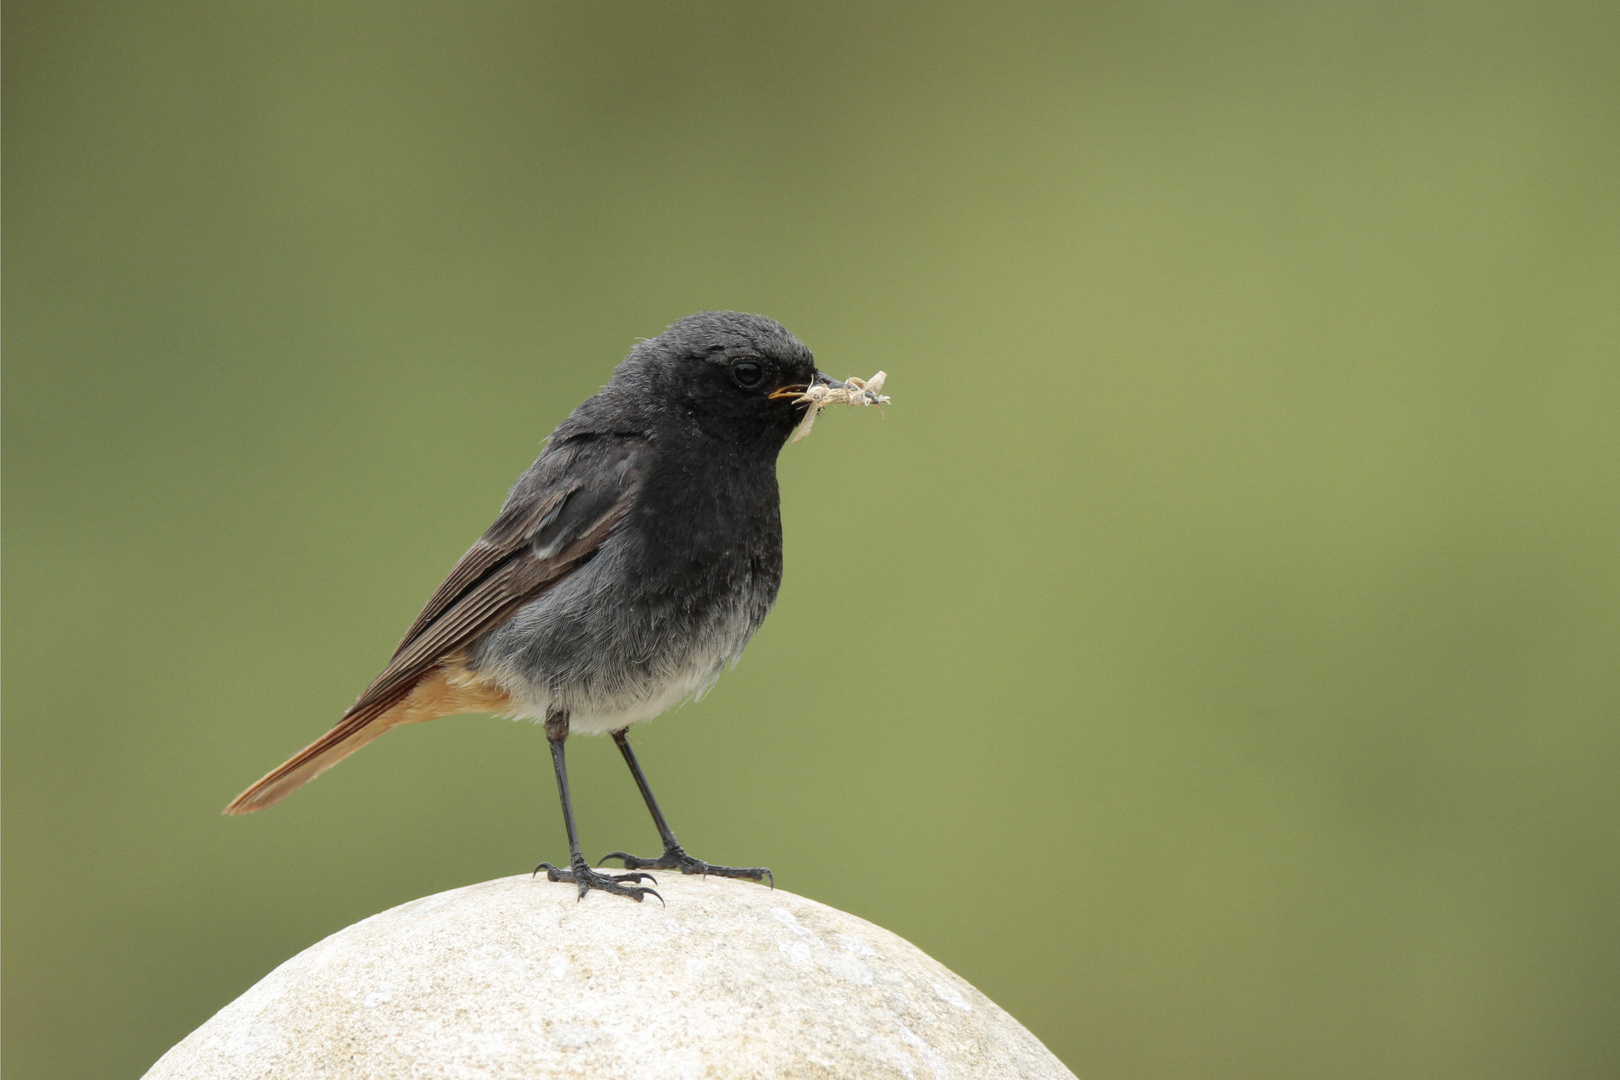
633, 877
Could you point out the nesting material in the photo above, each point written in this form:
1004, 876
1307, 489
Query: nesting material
853, 392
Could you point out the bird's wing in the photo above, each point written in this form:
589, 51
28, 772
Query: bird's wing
556, 518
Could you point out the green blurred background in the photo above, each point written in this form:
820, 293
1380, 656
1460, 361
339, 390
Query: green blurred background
1212, 655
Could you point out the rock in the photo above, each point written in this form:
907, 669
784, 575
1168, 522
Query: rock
514, 978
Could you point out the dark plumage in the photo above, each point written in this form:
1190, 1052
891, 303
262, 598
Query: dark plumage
630, 564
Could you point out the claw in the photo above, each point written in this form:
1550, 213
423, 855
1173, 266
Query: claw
588, 879
677, 859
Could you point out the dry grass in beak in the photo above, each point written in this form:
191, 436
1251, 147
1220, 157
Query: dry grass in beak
818, 397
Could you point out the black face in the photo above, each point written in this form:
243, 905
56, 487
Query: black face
739, 370
761, 377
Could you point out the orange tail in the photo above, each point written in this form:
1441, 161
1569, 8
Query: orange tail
443, 691
306, 765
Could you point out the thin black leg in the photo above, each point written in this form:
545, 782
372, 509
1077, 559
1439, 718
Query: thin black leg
579, 871
622, 738
674, 856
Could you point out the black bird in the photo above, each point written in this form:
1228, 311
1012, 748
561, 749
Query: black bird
629, 566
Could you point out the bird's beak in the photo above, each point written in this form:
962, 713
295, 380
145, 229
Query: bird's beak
798, 389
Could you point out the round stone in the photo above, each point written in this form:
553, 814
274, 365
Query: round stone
517, 978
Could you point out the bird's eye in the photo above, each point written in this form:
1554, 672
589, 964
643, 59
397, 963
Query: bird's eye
747, 373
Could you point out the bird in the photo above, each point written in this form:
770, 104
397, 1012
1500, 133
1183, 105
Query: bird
628, 567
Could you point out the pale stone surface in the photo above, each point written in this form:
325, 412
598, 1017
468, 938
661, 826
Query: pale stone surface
513, 978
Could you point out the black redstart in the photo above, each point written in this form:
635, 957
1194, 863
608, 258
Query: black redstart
630, 564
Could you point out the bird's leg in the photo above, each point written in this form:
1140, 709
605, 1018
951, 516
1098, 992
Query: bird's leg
674, 856
579, 871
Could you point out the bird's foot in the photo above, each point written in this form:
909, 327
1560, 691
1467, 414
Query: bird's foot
587, 879
677, 859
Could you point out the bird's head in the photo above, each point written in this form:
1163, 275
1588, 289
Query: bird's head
733, 374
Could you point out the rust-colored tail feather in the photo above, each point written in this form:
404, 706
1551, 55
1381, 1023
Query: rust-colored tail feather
447, 689
306, 765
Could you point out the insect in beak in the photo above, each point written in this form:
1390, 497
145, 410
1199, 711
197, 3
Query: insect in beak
824, 391
799, 390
